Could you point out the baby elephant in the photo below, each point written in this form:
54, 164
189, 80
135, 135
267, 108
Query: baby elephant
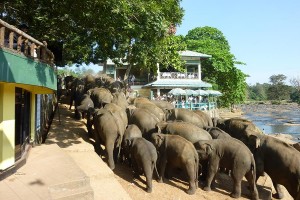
177, 152
144, 157
230, 154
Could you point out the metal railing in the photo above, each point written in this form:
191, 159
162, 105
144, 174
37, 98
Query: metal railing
197, 106
17, 41
178, 75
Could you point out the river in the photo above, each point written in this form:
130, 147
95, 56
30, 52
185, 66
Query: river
273, 119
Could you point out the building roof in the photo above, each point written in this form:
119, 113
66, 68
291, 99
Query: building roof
178, 83
188, 53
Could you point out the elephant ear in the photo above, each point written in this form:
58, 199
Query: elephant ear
208, 149
128, 143
254, 142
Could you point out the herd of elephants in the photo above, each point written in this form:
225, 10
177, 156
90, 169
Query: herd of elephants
155, 138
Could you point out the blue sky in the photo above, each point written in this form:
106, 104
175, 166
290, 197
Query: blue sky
264, 34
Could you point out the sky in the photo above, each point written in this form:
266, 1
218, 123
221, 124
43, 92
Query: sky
264, 34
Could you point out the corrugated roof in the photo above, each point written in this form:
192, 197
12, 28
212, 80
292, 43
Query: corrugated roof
193, 54
181, 83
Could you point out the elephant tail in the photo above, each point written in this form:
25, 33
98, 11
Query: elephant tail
196, 169
155, 168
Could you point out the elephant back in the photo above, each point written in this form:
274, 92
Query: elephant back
186, 116
119, 98
188, 131
100, 96
114, 108
206, 118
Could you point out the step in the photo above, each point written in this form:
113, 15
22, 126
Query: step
72, 190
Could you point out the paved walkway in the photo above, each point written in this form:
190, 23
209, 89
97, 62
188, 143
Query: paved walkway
65, 167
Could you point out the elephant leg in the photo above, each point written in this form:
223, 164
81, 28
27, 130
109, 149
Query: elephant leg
211, 173
236, 193
162, 168
109, 146
252, 185
148, 171
190, 170
279, 193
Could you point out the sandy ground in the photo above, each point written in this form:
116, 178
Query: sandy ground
175, 187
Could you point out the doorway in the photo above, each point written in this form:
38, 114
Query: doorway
22, 121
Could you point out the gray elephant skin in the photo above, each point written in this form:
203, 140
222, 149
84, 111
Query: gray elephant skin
177, 152
186, 130
100, 96
184, 115
238, 128
144, 157
217, 133
108, 130
145, 120
163, 104
132, 131
231, 154
206, 118
279, 160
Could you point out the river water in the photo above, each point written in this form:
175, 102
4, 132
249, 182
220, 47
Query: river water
273, 119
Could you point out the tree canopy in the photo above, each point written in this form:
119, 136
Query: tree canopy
220, 70
94, 30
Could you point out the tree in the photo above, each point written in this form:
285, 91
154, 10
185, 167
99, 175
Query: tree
94, 30
278, 90
295, 96
258, 91
220, 70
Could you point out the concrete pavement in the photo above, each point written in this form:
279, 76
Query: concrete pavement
65, 167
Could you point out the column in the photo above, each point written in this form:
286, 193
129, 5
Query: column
199, 70
7, 126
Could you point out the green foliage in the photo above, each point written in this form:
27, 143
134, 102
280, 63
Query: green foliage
94, 30
278, 90
257, 92
219, 70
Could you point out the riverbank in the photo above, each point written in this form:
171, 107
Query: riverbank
280, 121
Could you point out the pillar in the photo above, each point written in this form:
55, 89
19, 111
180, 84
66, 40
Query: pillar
7, 126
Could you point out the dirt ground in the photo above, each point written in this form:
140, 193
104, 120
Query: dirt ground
175, 187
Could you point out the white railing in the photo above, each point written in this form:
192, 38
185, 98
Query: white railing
178, 75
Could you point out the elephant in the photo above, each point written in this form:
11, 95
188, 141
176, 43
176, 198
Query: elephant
116, 86
186, 130
206, 118
231, 154
184, 115
145, 120
142, 102
118, 111
100, 96
86, 104
144, 156
109, 131
177, 152
217, 133
238, 128
68, 80
89, 80
131, 131
119, 98
279, 160
162, 104
76, 95
296, 146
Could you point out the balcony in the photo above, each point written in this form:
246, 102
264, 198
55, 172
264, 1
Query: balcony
25, 60
178, 75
